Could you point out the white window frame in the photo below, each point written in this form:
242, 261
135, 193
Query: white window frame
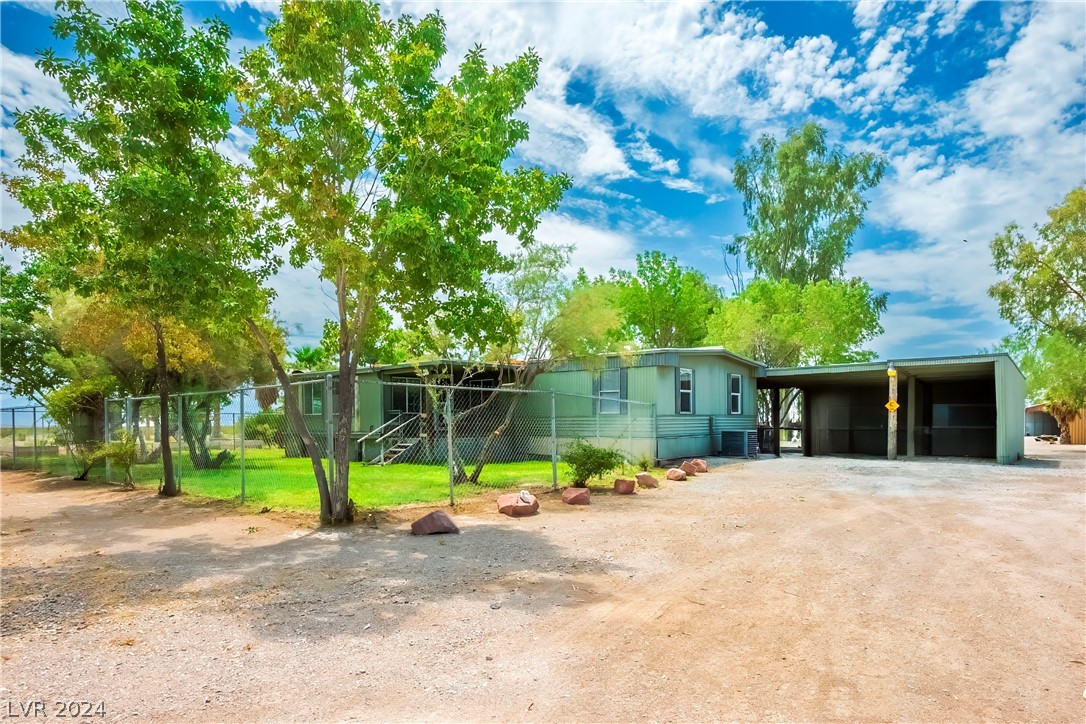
610, 398
689, 393
735, 399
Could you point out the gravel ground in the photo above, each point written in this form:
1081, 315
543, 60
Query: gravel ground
791, 589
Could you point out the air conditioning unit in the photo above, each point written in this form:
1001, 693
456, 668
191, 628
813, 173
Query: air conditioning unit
739, 443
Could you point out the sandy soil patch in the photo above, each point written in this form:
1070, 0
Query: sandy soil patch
791, 589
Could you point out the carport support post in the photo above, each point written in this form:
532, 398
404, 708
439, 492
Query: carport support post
910, 419
775, 418
891, 427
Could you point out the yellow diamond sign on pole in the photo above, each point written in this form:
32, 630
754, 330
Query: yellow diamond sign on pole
892, 405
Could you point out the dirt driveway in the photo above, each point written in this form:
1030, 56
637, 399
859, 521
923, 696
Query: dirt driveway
792, 589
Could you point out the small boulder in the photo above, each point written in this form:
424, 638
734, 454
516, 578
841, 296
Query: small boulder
676, 474
688, 467
575, 496
700, 465
624, 486
518, 505
436, 522
644, 480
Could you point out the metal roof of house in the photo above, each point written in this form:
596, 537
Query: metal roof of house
927, 368
715, 350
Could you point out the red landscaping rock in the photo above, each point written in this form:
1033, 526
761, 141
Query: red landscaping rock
676, 474
436, 522
625, 486
644, 480
688, 467
515, 506
700, 465
575, 496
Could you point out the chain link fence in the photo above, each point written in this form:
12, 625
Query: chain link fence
410, 442
31, 440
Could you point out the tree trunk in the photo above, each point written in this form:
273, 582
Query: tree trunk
1065, 430
488, 447
352, 325
169, 484
141, 440
196, 421
342, 507
523, 378
294, 416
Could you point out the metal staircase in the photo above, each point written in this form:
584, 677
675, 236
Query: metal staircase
394, 452
396, 437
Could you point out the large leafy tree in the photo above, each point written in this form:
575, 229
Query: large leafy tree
27, 342
387, 179
1043, 294
784, 324
1043, 289
130, 197
804, 201
664, 304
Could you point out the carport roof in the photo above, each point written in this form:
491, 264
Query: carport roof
931, 369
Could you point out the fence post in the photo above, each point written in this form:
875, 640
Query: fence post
597, 404
241, 453
106, 436
629, 431
180, 434
35, 418
554, 441
13, 438
329, 428
449, 456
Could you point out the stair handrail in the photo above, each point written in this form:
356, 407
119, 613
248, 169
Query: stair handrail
396, 429
380, 430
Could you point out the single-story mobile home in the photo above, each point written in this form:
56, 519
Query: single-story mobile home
677, 403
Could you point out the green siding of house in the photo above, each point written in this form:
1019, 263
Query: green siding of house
369, 404
687, 435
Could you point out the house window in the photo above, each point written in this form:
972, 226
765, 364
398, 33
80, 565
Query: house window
610, 392
735, 395
686, 391
406, 394
316, 399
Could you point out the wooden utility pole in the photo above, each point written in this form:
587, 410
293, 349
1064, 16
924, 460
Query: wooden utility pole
891, 406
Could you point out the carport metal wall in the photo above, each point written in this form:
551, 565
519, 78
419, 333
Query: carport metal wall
1008, 381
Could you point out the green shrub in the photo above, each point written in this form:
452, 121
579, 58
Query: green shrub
268, 427
645, 461
120, 453
587, 461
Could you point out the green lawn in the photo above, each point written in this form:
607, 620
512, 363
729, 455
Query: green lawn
274, 480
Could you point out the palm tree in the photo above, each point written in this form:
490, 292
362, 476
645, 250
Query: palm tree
1064, 412
309, 358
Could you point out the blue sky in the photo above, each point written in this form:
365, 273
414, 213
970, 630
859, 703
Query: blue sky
979, 107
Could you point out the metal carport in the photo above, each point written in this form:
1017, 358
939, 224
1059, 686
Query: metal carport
970, 406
